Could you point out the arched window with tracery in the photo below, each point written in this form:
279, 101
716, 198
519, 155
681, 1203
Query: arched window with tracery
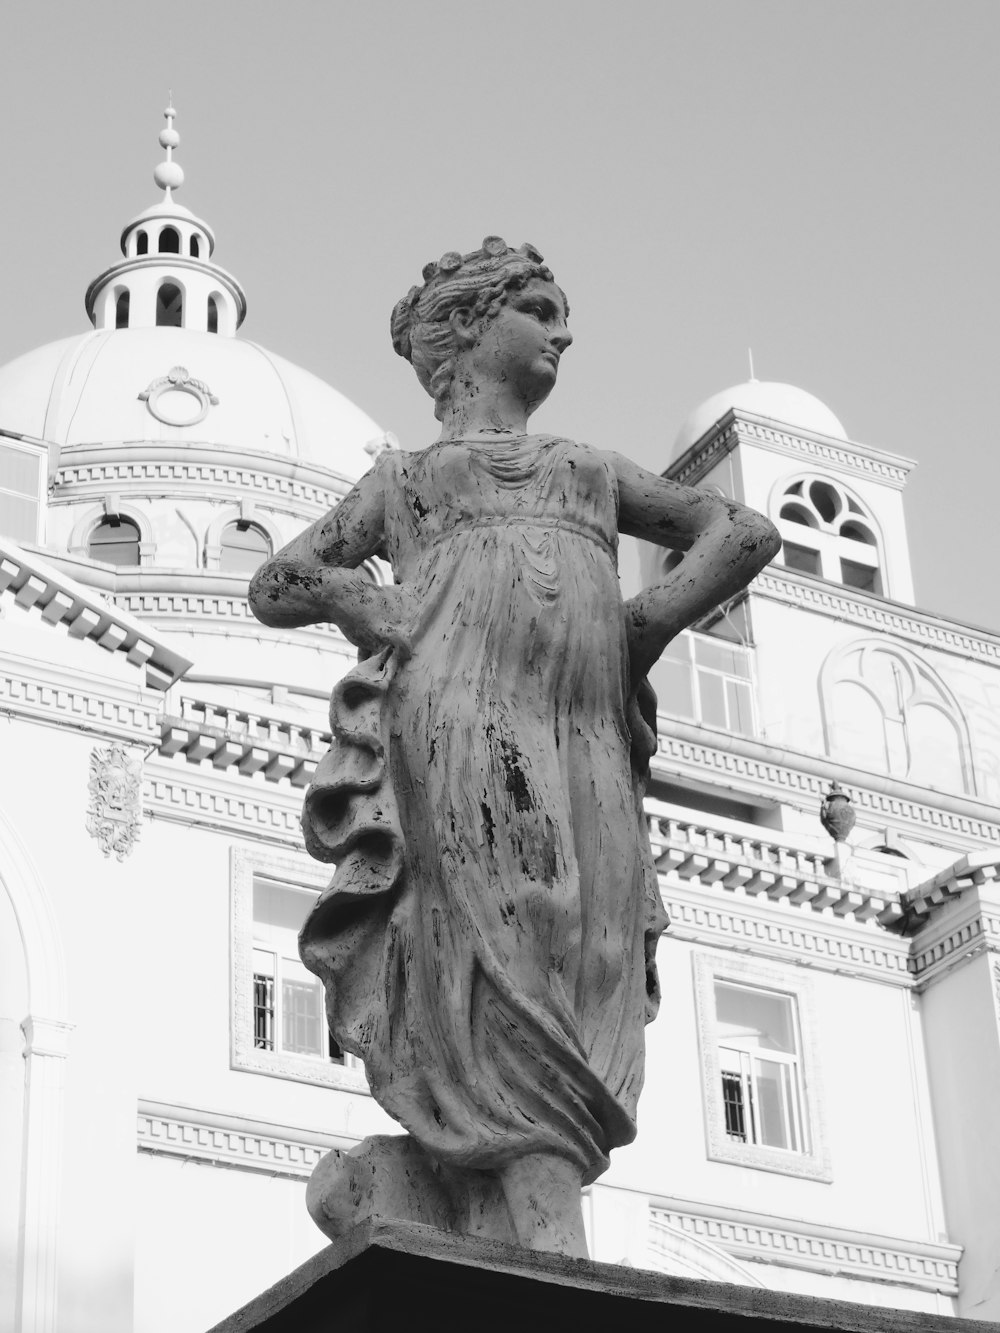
115, 541
243, 548
169, 306
825, 530
887, 711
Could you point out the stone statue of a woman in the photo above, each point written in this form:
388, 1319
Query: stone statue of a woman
487, 942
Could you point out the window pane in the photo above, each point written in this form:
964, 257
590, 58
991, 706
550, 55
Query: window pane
263, 962
732, 1101
280, 905
864, 577
116, 542
713, 699
774, 1092
721, 656
799, 557
826, 500
678, 649
263, 1012
740, 707
19, 471
674, 688
302, 1017
18, 517
244, 549
858, 532
754, 1019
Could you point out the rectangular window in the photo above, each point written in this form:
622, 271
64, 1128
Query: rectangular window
865, 577
801, 557
707, 680
279, 1024
20, 492
288, 1000
759, 1063
757, 1035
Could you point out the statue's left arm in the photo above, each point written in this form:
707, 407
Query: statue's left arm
726, 545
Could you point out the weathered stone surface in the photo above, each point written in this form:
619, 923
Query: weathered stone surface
487, 943
390, 1178
380, 1278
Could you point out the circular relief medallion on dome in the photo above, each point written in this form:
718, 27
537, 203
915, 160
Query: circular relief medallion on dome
176, 399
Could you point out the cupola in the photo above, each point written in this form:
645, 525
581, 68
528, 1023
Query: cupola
167, 278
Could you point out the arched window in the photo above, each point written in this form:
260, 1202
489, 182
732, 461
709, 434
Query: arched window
887, 711
141, 243
169, 306
825, 531
244, 547
116, 541
213, 315
170, 241
195, 248
121, 310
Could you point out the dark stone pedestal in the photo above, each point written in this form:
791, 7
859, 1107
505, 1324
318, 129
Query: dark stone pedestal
396, 1277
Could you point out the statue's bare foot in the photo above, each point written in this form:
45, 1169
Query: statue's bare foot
543, 1195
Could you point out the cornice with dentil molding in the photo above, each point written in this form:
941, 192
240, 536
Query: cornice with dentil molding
59, 697
958, 932
136, 464
783, 932
739, 427
195, 1134
870, 612
814, 1247
743, 765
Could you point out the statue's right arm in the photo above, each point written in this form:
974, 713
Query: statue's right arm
315, 578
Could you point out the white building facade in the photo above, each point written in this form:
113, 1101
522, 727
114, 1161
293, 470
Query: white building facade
819, 1108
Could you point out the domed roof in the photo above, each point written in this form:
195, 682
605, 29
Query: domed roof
764, 398
120, 385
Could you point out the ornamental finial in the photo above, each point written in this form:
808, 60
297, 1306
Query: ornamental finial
836, 814
168, 175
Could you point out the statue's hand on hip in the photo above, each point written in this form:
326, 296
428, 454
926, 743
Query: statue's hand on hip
372, 617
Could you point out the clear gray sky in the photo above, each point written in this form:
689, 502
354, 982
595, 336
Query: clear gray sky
817, 180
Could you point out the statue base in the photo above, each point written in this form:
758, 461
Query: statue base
387, 1276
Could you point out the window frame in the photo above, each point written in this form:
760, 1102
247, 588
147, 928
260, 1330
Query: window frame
301, 875
823, 539
115, 520
41, 479
240, 525
689, 640
812, 1163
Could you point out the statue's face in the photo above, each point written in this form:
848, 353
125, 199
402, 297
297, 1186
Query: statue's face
523, 343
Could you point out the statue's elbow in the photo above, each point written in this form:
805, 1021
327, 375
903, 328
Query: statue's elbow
760, 541
770, 540
261, 596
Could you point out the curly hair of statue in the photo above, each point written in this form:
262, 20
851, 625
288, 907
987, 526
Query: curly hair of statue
480, 282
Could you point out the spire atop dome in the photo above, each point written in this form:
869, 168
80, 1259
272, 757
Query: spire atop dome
169, 175
168, 278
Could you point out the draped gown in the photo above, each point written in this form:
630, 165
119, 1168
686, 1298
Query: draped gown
487, 940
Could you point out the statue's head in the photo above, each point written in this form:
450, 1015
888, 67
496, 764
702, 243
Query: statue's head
461, 296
